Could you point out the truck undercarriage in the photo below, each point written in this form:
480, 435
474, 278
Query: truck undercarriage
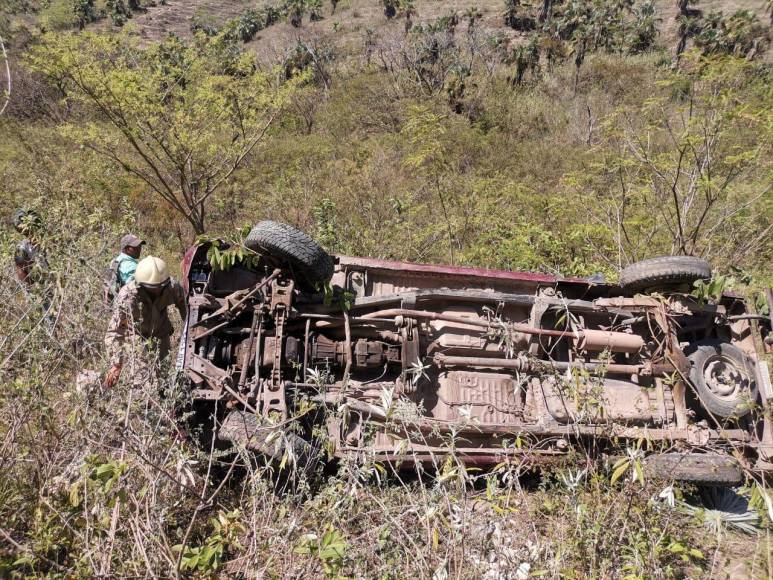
408, 363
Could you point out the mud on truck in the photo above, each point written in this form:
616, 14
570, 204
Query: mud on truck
407, 363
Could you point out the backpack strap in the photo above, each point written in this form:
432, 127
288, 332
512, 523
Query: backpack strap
112, 279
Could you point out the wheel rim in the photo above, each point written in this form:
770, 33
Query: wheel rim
724, 378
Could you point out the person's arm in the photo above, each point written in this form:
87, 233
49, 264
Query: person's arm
109, 282
179, 300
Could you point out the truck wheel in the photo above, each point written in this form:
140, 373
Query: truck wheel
242, 427
697, 468
723, 378
287, 244
664, 271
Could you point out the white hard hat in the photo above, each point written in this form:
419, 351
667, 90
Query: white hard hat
151, 271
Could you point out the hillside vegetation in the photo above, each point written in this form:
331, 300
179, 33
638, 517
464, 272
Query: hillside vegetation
560, 136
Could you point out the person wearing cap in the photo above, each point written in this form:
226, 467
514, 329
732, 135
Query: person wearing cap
121, 269
140, 322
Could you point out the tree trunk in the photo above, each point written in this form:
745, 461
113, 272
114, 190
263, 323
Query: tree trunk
545, 12
196, 219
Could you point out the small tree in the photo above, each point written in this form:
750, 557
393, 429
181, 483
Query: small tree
408, 9
526, 58
119, 12
693, 181
180, 117
428, 157
315, 10
686, 19
740, 34
295, 11
390, 8
515, 16
84, 12
644, 29
472, 15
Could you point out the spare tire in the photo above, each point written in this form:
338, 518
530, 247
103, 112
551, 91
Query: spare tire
284, 242
697, 468
275, 444
664, 271
724, 379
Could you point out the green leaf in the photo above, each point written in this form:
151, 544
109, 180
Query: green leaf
639, 471
74, 495
620, 469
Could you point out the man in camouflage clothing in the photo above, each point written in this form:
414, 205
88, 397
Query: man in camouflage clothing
32, 268
140, 322
31, 264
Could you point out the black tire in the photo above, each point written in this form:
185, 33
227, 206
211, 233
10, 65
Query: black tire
697, 468
723, 378
242, 427
664, 271
304, 256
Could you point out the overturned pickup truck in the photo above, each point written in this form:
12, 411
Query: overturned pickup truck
293, 351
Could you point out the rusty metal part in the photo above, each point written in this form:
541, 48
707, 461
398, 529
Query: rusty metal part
410, 355
766, 395
681, 364
426, 315
767, 341
257, 358
429, 425
306, 335
367, 353
586, 339
637, 302
347, 346
600, 340
443, 360
229, 308
479, 456
205, 368
476, 396
269, 279
471, 274
245, 363
273, 396
601, 401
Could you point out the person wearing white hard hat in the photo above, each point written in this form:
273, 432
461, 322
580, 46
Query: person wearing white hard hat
141, 317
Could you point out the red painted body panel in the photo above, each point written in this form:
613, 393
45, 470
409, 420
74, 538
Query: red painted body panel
442, 270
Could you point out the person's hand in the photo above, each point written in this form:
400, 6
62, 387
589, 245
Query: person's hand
111, 378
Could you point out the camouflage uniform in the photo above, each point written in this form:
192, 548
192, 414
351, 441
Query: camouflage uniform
140, 320
29, 258
33, 271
